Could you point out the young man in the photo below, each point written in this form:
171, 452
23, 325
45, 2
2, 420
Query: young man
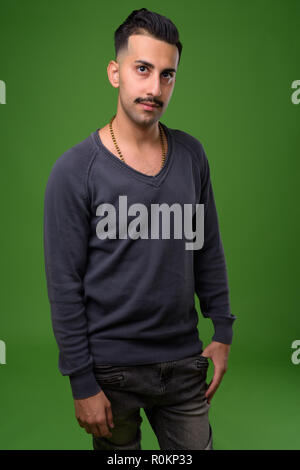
121, 277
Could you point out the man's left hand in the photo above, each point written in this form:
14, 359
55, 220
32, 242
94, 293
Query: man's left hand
218, 353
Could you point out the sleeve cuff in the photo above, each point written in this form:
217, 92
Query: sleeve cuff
84, 385
223, 329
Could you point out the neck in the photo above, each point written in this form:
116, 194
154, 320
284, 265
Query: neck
136, 135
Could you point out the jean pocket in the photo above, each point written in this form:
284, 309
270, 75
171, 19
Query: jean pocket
201, 361
109, 375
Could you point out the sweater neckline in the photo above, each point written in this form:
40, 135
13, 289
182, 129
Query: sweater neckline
154, 180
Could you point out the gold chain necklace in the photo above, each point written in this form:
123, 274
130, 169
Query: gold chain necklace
119, 152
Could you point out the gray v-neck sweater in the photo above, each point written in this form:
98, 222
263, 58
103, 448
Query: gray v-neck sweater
120, 277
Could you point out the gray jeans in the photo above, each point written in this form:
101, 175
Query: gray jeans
172, 395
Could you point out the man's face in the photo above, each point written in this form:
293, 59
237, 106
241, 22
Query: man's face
141, 82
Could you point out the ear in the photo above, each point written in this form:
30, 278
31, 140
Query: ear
113, 73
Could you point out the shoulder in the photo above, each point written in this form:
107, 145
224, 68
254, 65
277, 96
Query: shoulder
71, 169
78, 157
192, 144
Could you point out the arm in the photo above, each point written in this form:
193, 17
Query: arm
66, 234
211, 282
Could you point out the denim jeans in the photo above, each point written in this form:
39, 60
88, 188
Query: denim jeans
172, 395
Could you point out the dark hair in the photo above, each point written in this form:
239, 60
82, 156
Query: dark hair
157, 25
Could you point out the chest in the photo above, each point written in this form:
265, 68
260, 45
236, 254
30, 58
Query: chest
148, 162
148, 165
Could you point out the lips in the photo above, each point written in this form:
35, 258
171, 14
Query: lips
149, 105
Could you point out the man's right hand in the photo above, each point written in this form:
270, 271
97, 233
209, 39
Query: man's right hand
95, 414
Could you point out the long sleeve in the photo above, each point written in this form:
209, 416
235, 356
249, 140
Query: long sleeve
211, 280
66, 234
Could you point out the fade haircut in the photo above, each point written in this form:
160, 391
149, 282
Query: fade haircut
154, 24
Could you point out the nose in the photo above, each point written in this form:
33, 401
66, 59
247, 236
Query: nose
154, 86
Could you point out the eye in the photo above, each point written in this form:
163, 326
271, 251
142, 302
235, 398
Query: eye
166, 74
142, 66
170, 74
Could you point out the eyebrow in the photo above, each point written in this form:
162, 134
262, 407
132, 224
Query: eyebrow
144, 62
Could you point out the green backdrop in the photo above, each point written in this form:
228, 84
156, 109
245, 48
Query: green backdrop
233, 92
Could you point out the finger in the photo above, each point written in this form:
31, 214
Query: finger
104, 430
97, 431
210, 393
88, 429
101, 430
109, 417
213, 385
80, 423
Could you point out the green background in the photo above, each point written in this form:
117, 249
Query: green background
233, 92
